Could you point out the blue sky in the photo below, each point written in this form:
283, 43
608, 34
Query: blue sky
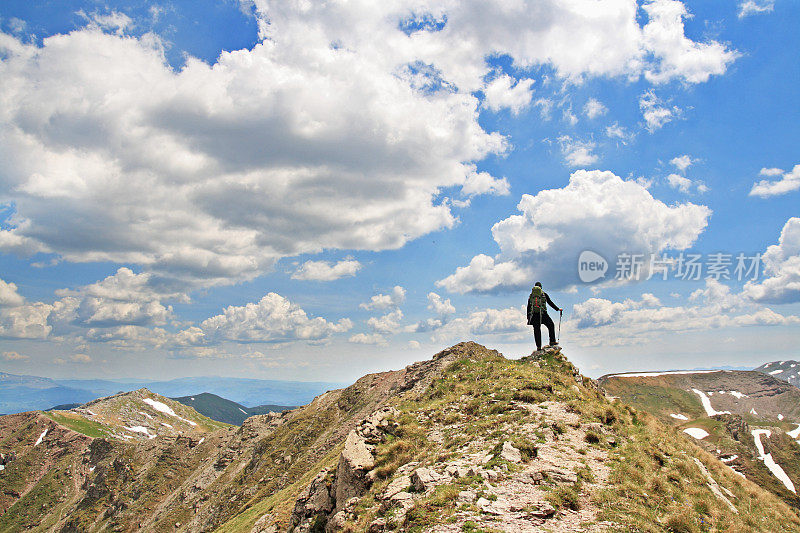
294, 190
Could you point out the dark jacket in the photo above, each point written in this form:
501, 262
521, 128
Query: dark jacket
531, 310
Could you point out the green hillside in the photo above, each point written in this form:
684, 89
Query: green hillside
223, 410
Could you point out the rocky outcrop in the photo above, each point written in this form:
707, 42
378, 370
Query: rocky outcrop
332, 494
315, 503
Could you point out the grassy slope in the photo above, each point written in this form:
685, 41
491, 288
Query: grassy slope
654, 485
655, 396
78, 423
314, 437
44, 475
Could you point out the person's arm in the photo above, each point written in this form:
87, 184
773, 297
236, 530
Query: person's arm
529, 309
549, 301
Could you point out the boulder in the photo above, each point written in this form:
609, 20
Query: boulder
466, 496
488, 507
543, 510
397, 485
559, 475
426, 479
510, 453
355, 462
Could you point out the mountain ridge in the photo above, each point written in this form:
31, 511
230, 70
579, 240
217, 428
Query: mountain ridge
20, 393
465, 441
787, 370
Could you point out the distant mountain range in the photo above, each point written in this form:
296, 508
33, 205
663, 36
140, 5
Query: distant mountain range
749, 420
223, 410
20, 393
212, 406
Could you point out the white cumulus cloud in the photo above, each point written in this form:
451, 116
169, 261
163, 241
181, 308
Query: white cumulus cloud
387, 324
9, 297
368, 338
682, 162
786, 183
781, 268
326, 270
680, 56
596, 211
504, 92
123, 298
271, 319
577, 153
384, 301
211, 173
439, 305
598, 321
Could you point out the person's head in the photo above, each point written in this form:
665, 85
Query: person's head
538, 284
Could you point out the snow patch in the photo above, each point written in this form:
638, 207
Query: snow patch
165, 424
91, 412
696, 433
91, 468
795, 432
780, 416
738, 394
201, 441
192, 398
41, 437
679, 416
159, 406
776, 372
769, 462
729, 459
665, 373
242, 410
753, 411
166, 409
146, 414
140, 429
710, 411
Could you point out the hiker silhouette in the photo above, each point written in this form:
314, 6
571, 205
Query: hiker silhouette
537, 315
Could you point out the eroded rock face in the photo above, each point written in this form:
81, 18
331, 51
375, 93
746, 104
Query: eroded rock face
354, 463
315, 503
331, 494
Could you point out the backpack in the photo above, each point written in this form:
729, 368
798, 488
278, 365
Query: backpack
537, 301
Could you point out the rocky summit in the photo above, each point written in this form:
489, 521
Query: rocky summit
466, 441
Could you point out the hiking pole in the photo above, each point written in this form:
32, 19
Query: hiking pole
560, 312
